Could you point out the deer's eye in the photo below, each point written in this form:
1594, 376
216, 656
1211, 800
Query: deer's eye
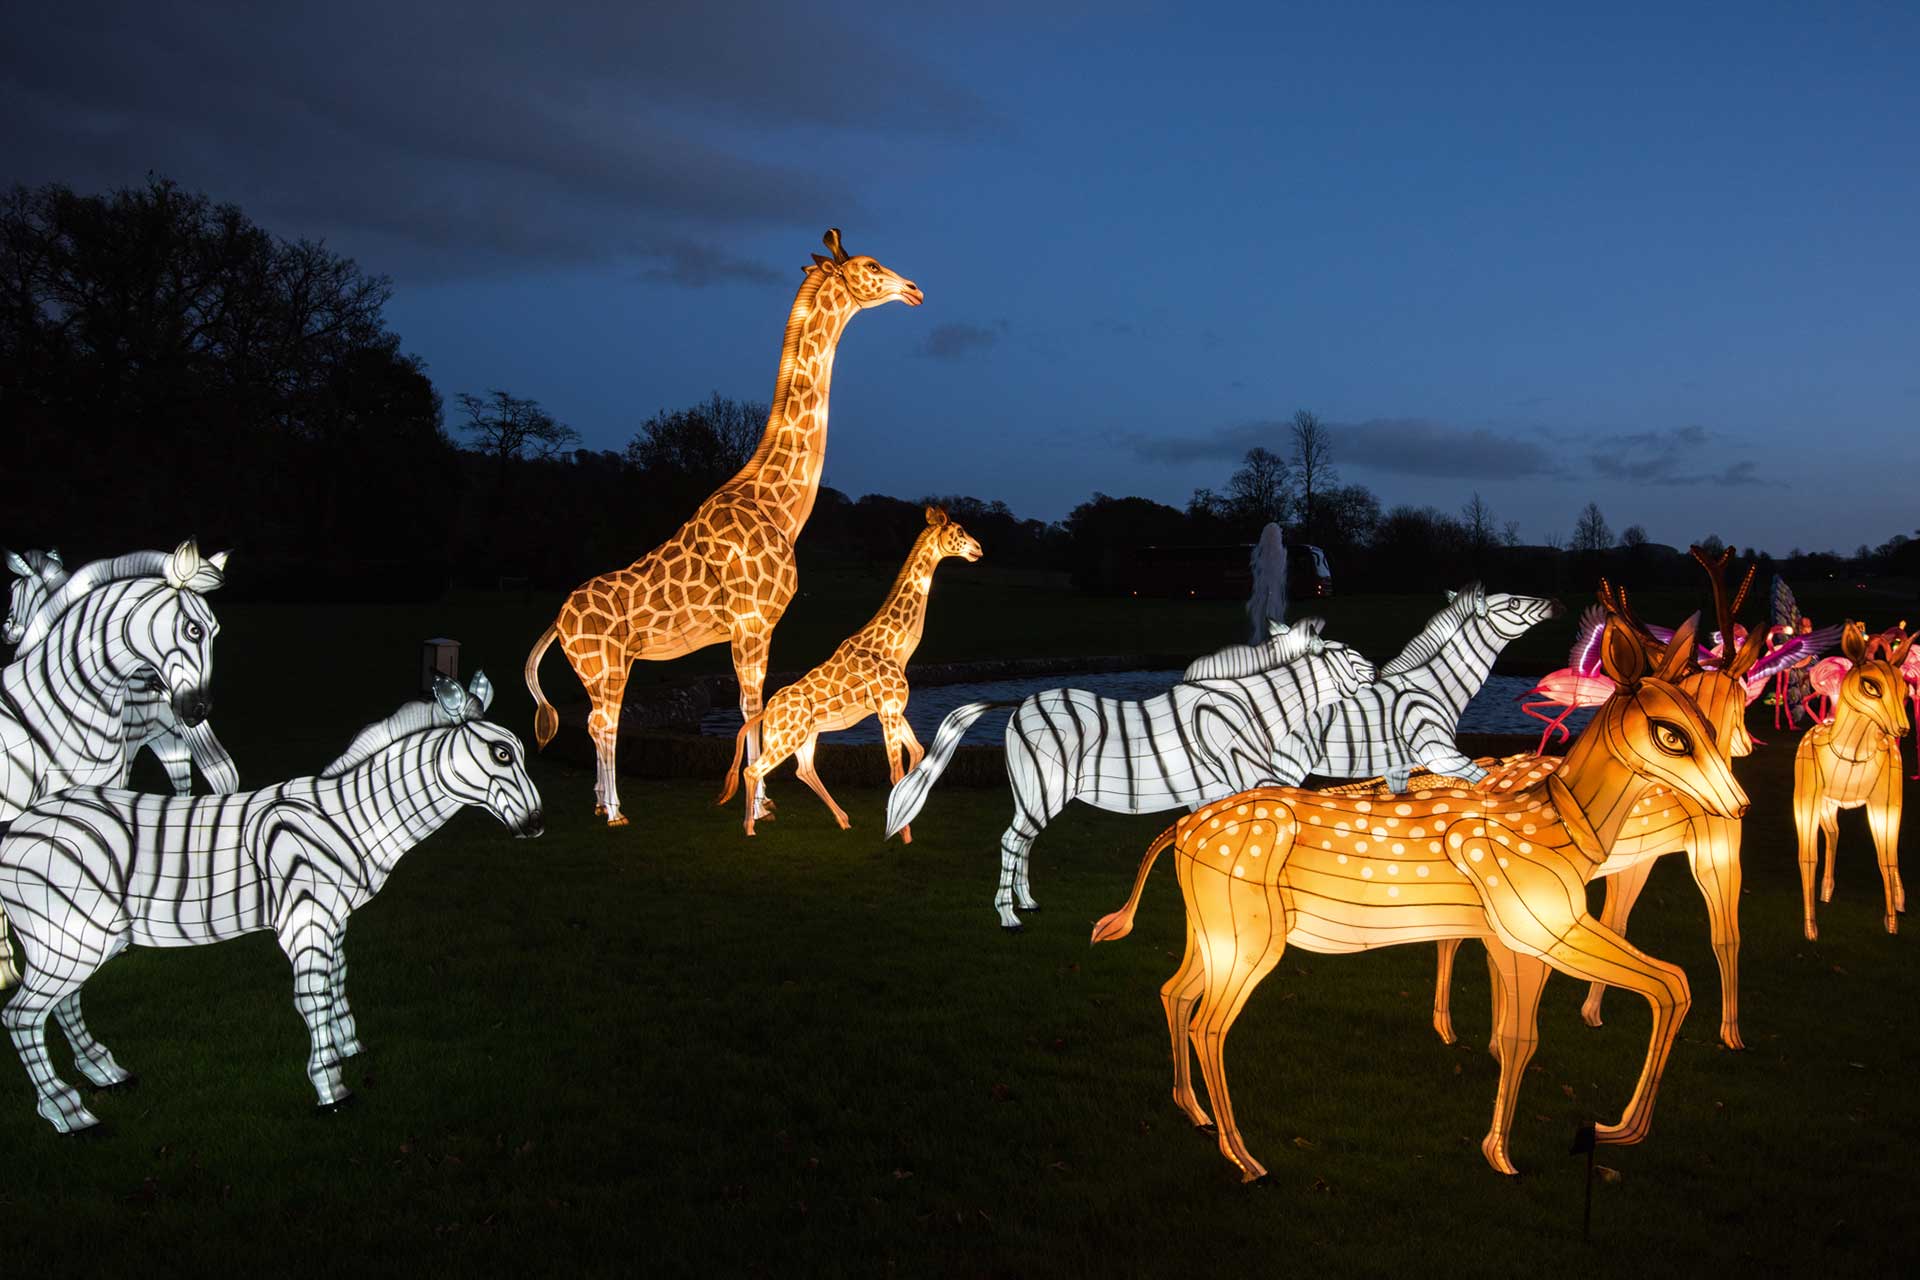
1870, 686
1671, 738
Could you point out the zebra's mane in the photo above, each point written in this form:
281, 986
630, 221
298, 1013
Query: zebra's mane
412, 717
1439, 631
1237, 661
88, 577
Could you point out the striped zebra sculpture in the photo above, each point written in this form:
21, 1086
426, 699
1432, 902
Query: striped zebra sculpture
150, 724
1209, 736
88, 873
1409, 715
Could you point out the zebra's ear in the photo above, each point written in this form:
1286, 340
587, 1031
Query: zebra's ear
1315, 625
1274, 629
19, 566
451, 698
183, 564
53, 557
480, 695
1452, 596
1479, 599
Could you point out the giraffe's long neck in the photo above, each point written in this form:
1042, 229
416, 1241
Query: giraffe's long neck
896, 628
784, 472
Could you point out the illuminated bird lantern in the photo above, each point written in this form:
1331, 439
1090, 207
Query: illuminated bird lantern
1663, 821
728, 575
149, 721
1853, 762
866, 676
90, 872
1909, 668
1277, 866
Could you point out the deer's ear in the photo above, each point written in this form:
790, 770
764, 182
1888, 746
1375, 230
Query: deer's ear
1623, 655
1853, 642
1679, 650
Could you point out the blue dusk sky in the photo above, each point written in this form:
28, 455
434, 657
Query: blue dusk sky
1658, 256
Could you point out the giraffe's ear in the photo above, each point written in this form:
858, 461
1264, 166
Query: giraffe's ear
936, 516
819, 261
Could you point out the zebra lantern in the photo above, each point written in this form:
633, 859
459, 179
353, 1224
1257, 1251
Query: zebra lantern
92, 871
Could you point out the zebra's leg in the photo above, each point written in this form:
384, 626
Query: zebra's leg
1396, 779
346, 1040
25, 1018
1447, 760
1036, 801
1015, 843
89, 1055
310, 937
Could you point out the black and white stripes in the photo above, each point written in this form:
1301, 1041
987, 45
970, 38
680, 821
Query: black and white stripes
92, 871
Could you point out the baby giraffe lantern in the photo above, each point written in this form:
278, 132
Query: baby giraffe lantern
1853, 761
728, 575
865, 676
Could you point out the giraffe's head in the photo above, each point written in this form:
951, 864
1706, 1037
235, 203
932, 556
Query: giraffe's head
949, 539
1874, 689
869, 283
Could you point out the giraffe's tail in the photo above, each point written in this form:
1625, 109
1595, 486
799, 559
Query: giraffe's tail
1119, 924
546, 721
739, 747
910, 793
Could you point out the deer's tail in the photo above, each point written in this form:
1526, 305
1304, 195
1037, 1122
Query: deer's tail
1119, 924
546, 721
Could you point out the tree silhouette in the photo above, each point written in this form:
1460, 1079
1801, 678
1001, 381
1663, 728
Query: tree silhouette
1312, 466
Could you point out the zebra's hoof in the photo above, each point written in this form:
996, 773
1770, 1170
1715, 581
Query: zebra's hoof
94, 1132
339, 1104
128, 1085
1015, 927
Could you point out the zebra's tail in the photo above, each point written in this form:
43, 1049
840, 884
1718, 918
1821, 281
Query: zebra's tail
546, 721
910, 793
1119, 924
8, 974
222, 775
739, 746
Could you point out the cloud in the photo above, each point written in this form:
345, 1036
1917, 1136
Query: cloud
1671, 458
695, 266
506, 136
956, 341
1409, 446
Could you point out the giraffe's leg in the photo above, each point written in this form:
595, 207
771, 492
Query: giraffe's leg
1443, 989
1883, 820
750, 644
89, 1055
1177, 997
1519, 978
1713, 854
1806, 825
803, 764
1232, 966
892, 722
603, 670
1623, 890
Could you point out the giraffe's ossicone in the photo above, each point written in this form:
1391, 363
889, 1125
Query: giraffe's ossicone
728, 574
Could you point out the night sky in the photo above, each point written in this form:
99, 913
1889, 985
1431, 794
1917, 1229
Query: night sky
1662, 257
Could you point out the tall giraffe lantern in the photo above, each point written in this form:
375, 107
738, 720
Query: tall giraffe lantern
728, 575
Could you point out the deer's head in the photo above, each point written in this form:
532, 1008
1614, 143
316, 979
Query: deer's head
1652, 727
869, 283
1874, 688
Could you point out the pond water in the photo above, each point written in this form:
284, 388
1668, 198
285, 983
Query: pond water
1493, 709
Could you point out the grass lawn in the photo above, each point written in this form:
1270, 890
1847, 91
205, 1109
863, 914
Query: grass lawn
669, 1049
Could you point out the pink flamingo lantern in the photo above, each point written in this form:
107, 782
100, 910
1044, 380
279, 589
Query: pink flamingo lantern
1885, 643
1825, 677
1581, 683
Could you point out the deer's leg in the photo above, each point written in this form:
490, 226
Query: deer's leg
1623, 890
1807, 804
803, 765
1232, 966
1883, 820
1178, 996
1830, 833
1713, 854
1519, 979
1497, 999
1447, 949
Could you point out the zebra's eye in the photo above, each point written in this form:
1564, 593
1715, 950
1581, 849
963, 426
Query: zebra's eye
195, 631
1671, 738
1870, 686
501, 755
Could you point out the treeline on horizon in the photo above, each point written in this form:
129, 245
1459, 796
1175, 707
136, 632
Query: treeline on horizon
167, 367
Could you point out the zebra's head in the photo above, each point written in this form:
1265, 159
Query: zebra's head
1511, 615
173, 629
1351, 671
37, 575
481, 763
